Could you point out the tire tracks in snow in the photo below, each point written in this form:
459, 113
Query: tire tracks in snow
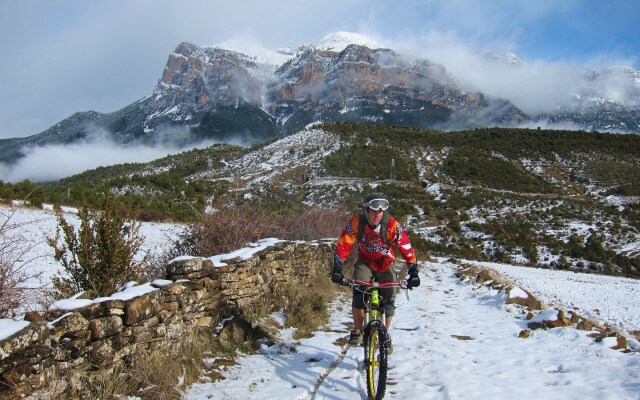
311, 395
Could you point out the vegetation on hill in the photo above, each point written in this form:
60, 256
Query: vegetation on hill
546, 198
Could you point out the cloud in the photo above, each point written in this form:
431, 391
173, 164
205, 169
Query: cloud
532, 86
80, 56
53, 162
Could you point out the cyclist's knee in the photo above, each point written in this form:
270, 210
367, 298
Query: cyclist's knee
389, 309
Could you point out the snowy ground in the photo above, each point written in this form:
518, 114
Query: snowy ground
36, 225
431, 361
606, 299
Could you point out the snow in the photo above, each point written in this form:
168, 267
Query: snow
262, 54
451, 341
607, 299
516, 292
128, 293
36, 225
244, 253
9, 327
265, 164
338, 41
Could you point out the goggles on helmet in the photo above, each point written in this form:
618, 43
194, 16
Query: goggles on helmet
378, 204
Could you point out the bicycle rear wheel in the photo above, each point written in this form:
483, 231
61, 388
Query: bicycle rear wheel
375, 359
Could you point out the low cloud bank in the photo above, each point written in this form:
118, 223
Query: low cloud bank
54, 162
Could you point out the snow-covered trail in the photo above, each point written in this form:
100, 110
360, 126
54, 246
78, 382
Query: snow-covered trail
451, 341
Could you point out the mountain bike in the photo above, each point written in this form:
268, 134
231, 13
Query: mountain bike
374, 335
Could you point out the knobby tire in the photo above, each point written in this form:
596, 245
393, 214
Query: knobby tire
375, 359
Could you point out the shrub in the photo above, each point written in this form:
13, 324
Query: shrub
230, 229
100, 256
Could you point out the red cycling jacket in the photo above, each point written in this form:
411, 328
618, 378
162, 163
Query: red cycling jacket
372, 248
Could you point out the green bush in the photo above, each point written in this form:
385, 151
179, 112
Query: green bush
99, 256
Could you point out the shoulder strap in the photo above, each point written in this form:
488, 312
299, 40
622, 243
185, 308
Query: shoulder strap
384, 227
361, 223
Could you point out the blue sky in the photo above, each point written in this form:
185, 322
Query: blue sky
64, 56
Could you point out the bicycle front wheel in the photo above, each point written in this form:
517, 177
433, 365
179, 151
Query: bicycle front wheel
375, 359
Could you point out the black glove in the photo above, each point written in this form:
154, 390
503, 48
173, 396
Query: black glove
414, 279
336, 274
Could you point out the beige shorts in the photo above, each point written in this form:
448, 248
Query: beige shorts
362, 272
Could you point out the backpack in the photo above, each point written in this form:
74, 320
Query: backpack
384, 226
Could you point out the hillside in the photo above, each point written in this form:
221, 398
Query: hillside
558, 199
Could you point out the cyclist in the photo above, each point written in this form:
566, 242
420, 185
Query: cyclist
375, 231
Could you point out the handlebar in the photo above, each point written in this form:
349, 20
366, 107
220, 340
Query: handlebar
355, 282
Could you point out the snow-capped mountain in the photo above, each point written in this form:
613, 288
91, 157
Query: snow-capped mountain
219, 93
340, 40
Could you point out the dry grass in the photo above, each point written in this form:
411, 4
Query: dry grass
148, 374
230, 229
307, 308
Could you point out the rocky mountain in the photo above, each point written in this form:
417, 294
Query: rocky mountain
212, 93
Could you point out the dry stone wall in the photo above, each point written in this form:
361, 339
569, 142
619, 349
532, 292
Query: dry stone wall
58, 347
487, 277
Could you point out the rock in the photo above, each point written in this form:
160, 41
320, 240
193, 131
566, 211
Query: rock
586, 325
183, 265
621, 342
141, 308
32, 333
32, 316
73, 325
549, 318
102, 353
529, 302
105, 327
486, 275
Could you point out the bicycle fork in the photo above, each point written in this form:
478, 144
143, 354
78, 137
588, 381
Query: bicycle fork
374, 319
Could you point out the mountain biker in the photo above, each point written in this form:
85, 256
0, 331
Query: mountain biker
375, 258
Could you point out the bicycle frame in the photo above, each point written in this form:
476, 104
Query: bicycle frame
375, 336
372, 307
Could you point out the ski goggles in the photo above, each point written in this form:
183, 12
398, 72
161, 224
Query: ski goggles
378, 204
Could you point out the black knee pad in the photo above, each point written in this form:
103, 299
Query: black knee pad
389, 309
358, 299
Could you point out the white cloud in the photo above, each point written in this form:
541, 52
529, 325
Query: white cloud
53, 162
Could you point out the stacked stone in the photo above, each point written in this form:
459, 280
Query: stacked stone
44, 356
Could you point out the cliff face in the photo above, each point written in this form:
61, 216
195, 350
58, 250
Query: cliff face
357, 83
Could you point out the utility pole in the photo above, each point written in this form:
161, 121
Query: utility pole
392, 176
